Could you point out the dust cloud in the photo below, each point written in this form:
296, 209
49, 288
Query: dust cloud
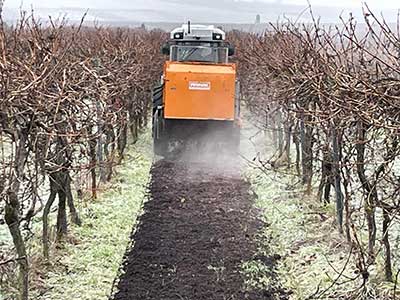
220, 151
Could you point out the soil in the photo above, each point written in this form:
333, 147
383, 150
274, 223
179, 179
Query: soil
198, 227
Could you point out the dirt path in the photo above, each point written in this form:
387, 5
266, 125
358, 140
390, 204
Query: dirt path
196, 231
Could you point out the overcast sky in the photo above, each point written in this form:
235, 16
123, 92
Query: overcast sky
243, 11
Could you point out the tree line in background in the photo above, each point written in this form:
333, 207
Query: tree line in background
70, 98
330, 96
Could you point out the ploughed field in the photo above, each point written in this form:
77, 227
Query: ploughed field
198, 227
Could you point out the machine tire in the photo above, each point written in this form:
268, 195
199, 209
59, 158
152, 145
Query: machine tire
159, 136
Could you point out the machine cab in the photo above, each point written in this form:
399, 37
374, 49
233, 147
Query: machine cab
198, 43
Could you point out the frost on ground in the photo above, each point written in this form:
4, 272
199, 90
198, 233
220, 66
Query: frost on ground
317, 262
88, 262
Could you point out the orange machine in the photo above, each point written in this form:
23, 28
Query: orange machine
197, 98
198, 91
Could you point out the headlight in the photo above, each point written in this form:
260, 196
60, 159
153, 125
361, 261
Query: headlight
178, 35
217, 36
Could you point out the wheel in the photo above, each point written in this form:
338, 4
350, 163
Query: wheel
160, 142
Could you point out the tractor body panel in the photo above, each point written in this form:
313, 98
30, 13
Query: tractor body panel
198, 91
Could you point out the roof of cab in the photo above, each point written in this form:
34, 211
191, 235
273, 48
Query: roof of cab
198, 32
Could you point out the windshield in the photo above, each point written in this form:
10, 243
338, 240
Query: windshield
199, 54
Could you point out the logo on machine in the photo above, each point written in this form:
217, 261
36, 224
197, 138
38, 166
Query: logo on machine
200, 86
